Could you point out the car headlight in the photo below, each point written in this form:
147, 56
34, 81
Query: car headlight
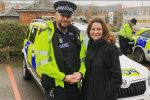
149, 78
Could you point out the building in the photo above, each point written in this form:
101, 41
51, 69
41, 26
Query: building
8, 12
142, 14
40, 8
110, 14
113, 14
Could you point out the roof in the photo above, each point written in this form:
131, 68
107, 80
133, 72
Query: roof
38, 5
105, 9
10, 12
116, 6
102, 8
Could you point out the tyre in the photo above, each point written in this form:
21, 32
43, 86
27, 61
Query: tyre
26, 75
139, 55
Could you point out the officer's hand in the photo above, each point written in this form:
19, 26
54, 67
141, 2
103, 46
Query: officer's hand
77, 77
69, 78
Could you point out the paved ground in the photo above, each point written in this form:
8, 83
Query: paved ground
28, 89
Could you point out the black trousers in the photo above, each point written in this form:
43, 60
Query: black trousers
69, 92
123, 44
130, 46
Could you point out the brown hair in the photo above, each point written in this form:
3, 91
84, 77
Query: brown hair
107, 34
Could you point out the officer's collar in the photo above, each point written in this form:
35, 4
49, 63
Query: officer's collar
60, 32
130, 25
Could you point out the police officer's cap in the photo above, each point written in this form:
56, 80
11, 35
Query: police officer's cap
65, 7
134, 21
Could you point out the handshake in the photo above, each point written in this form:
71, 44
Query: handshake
74, 78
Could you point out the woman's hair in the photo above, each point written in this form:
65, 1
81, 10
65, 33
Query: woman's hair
106, 35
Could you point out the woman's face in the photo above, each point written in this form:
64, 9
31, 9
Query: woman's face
96, 31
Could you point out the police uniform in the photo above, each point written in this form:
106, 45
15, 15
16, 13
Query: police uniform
58, 55
125, 36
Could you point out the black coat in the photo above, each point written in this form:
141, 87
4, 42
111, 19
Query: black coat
103, 73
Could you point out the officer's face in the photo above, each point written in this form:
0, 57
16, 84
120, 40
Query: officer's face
63, 20
96, 31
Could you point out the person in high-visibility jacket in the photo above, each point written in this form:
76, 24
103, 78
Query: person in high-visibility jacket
125, 35
60, 54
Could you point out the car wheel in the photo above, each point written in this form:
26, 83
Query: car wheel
139, 55
26, 75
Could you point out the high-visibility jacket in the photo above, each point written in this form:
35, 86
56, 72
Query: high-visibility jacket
50, 62
126, 31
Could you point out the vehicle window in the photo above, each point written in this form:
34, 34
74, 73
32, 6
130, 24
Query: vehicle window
28, 31
33, 34
144, 34
148, 36
41, 29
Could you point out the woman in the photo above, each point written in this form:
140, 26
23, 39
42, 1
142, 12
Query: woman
103, 74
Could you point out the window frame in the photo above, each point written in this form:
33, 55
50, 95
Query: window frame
28, 32
33, 32
144, 32
148, 35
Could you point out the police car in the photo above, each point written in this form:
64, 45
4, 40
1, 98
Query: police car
142, 45
136, 78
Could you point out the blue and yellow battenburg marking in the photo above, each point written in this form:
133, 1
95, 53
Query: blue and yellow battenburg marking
30, 54
148, 52
130, 72
142, 42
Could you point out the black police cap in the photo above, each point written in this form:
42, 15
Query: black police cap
64, 7
134, 21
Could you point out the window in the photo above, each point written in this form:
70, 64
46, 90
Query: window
145, 12
125, 12
130, 12
140, 12
148, 36
135, 12
33, 34
144, 21
144, 34
41, 29
139, 21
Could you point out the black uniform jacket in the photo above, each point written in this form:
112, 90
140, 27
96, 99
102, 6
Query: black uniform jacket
103, 73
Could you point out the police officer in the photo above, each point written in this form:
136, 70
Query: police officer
60, 54
125, 35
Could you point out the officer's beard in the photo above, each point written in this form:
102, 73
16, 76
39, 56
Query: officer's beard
63, 27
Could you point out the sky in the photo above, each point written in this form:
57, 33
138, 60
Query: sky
124, 3
127, 3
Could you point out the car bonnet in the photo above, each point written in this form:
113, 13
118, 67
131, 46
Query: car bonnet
132, 71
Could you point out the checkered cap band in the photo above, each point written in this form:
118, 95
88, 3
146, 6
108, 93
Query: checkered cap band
64, 8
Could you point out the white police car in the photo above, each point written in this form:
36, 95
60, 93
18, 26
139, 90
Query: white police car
142, 45
136, 78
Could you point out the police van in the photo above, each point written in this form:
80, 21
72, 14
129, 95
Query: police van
136, 78
142, 45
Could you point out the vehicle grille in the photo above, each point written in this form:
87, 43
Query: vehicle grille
134, 89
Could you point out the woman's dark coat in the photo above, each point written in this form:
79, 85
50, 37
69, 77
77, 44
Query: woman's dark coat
103, 74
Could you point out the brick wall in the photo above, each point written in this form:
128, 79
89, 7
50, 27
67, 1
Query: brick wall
27, 17
89, 13
120, 9
17, 6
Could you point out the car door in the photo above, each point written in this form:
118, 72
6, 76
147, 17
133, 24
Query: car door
147, 46
141, 41
26, 41
31, 55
